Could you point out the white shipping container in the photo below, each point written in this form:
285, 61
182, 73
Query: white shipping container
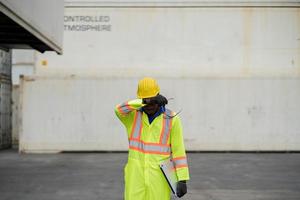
43, 19
15, 116
234, 70
72, 113
178, 42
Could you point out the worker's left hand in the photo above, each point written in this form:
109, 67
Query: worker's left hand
181, 188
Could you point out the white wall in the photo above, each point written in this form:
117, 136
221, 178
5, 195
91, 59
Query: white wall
15, 116
234, 72
23, 63
217, 114
180, 42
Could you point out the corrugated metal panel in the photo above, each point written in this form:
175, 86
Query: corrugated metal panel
5, 112
5, 63
5, 99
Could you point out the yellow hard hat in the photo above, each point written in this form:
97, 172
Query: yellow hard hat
147, 88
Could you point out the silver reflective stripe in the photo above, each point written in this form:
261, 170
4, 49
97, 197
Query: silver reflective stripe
138, 125
125, 108
178, 162
168, 114
149, 147
167, 128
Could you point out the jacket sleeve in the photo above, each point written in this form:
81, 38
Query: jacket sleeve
125, 111
178, 150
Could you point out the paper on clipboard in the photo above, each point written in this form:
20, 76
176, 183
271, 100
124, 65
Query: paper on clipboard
167, 168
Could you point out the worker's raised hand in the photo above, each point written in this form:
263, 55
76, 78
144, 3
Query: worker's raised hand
181, 188
160, 100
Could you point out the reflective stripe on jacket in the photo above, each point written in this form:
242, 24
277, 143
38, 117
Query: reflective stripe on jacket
152, 143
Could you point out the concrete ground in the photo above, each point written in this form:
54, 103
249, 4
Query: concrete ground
91, 176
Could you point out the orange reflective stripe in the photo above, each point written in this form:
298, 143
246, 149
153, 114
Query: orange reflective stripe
180, 166
180, 162
134, 124
162, 130
124, 108
137, 126
150, 152
169, 131
166, 127
128, 107
149, 147
135, 142
150, 143
120, 110
179, 158
140, 124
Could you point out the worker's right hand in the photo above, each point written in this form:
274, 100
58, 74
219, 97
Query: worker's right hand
161, 100
181, 188
158, 99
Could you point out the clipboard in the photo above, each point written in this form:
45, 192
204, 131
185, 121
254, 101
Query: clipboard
168, 170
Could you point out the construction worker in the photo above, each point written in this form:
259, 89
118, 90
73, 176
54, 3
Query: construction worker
154, 135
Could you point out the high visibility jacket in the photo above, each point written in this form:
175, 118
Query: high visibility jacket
149, 145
